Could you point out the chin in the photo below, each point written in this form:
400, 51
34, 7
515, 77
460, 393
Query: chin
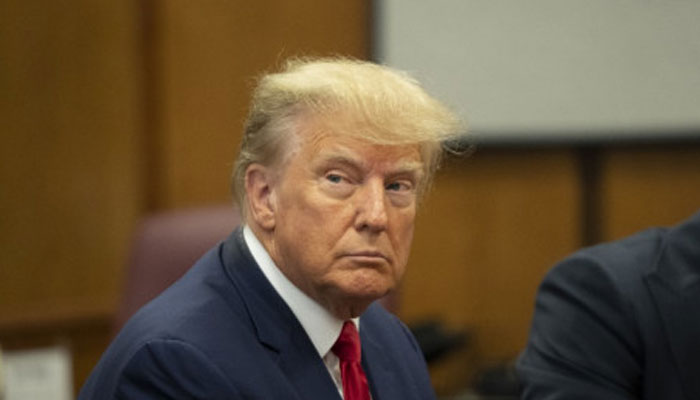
351, 301
369, 290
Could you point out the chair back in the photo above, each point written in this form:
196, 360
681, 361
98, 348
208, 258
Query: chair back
165, 246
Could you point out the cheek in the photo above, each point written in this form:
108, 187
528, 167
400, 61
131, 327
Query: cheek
310, 234
404, 227
403, 237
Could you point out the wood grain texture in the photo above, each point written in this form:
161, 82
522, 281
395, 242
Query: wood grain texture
648, 186
70, 182
208, 54
70, 155
492, 226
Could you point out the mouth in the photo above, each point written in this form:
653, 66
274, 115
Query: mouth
367, 257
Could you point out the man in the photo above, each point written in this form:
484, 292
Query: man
620, 321
335, 156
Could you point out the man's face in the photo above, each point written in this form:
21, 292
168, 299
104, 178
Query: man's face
343, 218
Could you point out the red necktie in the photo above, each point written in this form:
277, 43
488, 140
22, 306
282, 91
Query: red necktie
347, 348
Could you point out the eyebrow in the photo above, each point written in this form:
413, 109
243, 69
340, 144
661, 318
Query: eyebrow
403, 167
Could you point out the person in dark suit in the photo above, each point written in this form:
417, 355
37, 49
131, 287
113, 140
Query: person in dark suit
619, 320
335, 156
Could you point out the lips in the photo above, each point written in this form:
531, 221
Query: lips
369, 256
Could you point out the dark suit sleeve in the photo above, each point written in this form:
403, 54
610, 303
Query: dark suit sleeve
172, 369
584, 342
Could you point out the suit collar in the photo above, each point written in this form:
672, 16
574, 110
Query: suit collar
265, 307
382, 379
384, 376
274, 323
322, 327
675, 288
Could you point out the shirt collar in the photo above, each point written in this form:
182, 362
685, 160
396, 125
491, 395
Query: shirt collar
322, 327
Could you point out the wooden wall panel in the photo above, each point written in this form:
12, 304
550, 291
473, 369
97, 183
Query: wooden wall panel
648, 186
69, 166
492, 226
207, 53
70, 154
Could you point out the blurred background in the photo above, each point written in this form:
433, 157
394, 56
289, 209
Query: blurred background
112, 111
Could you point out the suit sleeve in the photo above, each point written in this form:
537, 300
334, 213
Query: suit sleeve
584, 342
172, 369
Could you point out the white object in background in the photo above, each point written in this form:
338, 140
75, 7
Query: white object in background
551, 69
2, 380
37, 374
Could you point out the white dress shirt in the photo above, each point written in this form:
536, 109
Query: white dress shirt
322, 327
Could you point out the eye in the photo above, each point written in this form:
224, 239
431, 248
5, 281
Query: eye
337, 184
399, 186
394, 186
334, 178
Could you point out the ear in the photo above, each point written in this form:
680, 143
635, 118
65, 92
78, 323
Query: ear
259, 182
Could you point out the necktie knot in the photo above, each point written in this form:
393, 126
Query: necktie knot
347, 347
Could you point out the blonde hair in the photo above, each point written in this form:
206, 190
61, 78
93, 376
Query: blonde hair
391, 105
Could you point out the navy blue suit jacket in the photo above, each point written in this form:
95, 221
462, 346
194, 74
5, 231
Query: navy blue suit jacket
222, 332
620, 320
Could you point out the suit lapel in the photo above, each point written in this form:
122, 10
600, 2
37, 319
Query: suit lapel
305, 369
675, 288
383, 382
276, 326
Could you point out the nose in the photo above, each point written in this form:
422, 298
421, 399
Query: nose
372, 207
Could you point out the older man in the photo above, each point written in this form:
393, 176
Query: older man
335, 156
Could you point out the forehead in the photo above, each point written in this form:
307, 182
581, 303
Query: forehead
332, 147
338, 136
